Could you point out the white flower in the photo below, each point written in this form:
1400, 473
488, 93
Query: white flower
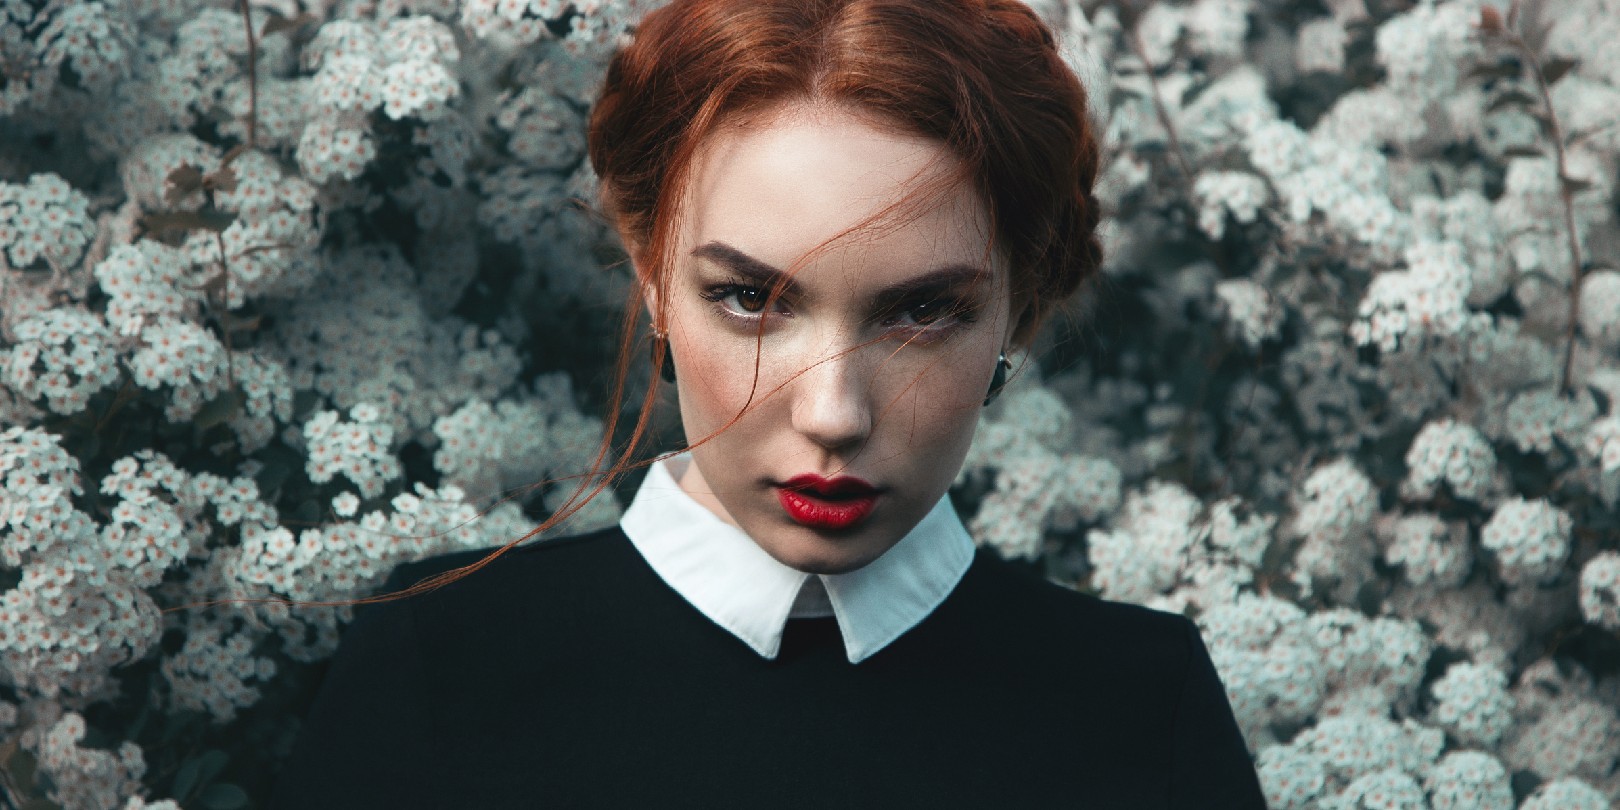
328, 149
417, 88
1220, 192
1469, 780
1143, 555
1529, 539
345, 504
45, 219
183, 358
1291, 778
1566, 794
1600, 307
1429, 551
1252, 313
1428, 298
1321, 46
1600, 590
1453, 453
1390, 789
63, 356
1472, 702
360, 451
1536, 417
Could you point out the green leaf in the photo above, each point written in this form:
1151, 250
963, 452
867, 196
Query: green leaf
219, 409
1506, 69
277, 24
223, 796
1554, 69
210, 763
183, 180
1575, 185
22, 767
271, 476
222, 179
187, 221
185, 779
1513, 96
237, 323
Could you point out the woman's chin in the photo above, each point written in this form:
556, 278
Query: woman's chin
816, 552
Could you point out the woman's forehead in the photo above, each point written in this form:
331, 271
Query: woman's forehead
780, 188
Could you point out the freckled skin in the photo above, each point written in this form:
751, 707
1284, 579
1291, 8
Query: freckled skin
842, 389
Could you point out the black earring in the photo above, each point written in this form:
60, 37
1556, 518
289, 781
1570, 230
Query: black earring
1003, 365
667, 369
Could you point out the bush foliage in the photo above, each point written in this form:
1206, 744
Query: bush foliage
292, 293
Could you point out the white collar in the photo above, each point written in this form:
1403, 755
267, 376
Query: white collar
727, 576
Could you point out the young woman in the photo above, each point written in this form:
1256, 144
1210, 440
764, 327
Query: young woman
844, 215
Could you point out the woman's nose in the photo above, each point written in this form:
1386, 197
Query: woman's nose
832, 401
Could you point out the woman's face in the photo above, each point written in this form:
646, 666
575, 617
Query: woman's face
874, 361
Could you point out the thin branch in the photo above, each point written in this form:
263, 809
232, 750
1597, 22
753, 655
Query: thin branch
1567, 196
253, 76
1159, 107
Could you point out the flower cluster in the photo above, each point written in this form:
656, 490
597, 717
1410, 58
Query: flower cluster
1427, 298
1566, 794
1472, 702
1452, 453
1469, 780
1262, 649
1141, 556
360, 450
1333, 511
1600, 590
266, 248
227, 284
1535, 418
1239, 193
44, 219
1529, 540
1251, 311
182, 359
1600, 307
1037, 488
80, 608
1429, 550
84, 776
62, 357
145, 282
216, 669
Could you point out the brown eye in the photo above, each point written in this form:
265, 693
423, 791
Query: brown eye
927, 313
750, 299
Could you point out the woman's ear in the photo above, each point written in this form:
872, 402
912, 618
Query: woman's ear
645, 281
1018, 326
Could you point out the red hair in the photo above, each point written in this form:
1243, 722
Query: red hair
983, 77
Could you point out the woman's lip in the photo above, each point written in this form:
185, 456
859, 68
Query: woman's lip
842, 487
815, 511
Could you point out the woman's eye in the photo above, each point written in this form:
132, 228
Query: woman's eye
934, 314
927, 313
749, 299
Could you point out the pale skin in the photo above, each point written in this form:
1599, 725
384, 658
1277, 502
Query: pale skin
875, 364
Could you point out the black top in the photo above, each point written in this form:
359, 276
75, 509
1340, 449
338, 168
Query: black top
568, 674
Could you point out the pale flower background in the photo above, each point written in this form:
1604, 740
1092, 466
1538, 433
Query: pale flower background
280, 312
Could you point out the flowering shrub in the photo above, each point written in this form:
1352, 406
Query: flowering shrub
288, 300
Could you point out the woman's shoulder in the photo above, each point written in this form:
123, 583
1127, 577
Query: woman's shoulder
567, 558
1030, 606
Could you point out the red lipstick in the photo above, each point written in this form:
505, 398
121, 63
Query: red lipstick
827, 503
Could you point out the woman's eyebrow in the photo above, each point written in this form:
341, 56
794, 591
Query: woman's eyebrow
766, 276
